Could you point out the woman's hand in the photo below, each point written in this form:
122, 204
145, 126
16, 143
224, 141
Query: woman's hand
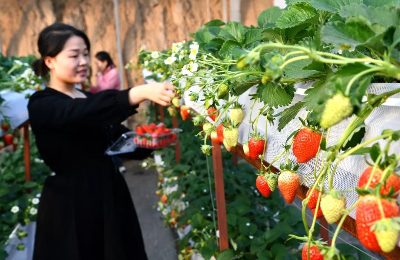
159, 93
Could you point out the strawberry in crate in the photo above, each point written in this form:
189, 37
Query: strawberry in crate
154, 136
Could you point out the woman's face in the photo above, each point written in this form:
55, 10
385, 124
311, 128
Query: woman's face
101, 65
71, 65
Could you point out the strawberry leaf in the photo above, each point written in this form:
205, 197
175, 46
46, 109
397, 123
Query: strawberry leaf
253, 35
295, 15
227, 254
374, 152
289, 114
268, 17
226, 48
355, 137
233, 31
275, 95
215, 22
332, 5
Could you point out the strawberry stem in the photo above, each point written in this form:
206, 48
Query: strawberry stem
359, 75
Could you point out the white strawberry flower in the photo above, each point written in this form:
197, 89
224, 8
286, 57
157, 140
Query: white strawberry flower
251, 237
155, 54
209, 214
35, 201
38, 195
248, 224
15, 209
205, 191
170, 60
194, 45
33, 211
165, 212
185, 71
144, 164
146, 63
193, 67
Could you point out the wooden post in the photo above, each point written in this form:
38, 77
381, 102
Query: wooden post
27, 156
220, 197
162, 114
324, 230
234, 159
177, 148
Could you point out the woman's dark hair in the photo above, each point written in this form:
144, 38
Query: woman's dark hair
51, 42
102, 56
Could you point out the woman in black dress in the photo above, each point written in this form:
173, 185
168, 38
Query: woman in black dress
86, 211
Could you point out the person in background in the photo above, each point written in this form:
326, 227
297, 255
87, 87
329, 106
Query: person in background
85, 210
107, 75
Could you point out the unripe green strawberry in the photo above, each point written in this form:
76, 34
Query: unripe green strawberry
241, 64
227, 147
207, 127
332, 205
262, 186
208, 103
231, 136
265, 79
288, 182
336, 109
387, 234
246, 149
272, 180
222, 91
237, 115
172, 111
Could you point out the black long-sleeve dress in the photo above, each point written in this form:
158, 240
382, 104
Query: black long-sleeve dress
85, 211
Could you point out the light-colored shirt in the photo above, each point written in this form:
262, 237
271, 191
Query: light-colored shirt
109, 79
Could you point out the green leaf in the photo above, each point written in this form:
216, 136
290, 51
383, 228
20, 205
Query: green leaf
233, 31
268, 17
295, 15
215, 22
380, 3
257, 246
278, 250
238, 53
231, 219
275, 96
322, 145
234, 245
265, 254
203, 35
289, 114
227, 254
386, 16
314, 95
30, 185
214, 45
226, 48
332, 5
3, 190
298, 70
208, 250
197, 221
273, 35
253, 35
352, 33
375, 151
214, 30
355, 137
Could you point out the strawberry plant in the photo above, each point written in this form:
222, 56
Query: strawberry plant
340, 47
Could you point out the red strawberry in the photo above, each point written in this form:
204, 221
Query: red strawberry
173, 138
319, 213
8, 139
153, 126
144, 142
5, 126
306, 144
210, 111
184, 112
139, 130
167, 130
164, 199
136, 140
312, 203
214, 137
315, 254
147, 129
392, 181
367, 213
262, 186
288, 182
256, 147
220, 133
